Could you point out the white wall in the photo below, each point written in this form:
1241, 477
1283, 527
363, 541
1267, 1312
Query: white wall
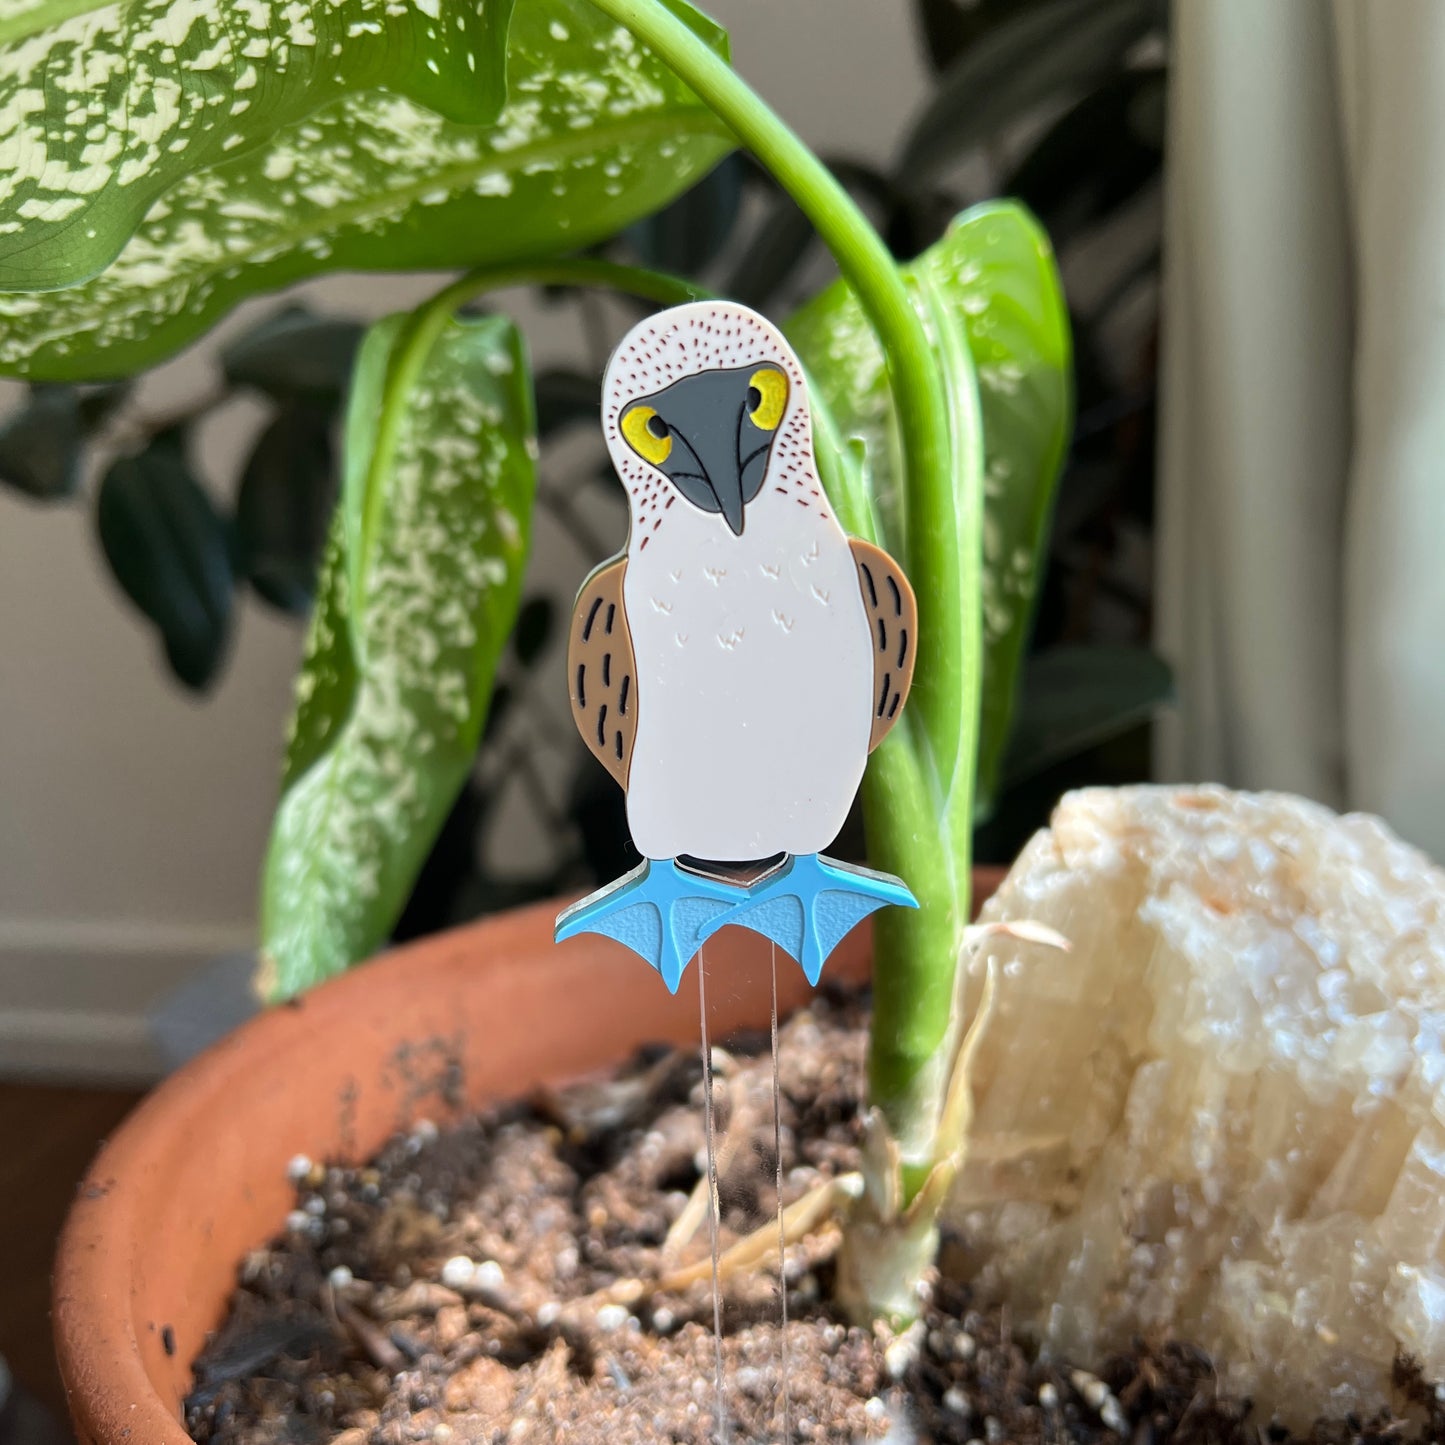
133, 818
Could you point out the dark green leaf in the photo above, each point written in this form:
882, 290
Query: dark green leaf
564, 397
684, 236
991, 281
293, 353
534, 629
169, 551
394, 174
948, 27
1096, 157
40, 444
99, 403
284, 506
1036, 56
417, 598
497, 711
1074, 698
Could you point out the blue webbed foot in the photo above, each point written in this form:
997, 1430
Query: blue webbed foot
659, 910
665, 913
809, 904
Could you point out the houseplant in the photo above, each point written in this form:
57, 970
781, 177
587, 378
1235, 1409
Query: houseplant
254, 529
246, 160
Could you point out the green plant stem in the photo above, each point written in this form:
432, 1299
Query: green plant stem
912, 1043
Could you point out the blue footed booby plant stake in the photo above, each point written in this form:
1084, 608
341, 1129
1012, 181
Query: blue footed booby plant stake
736, 664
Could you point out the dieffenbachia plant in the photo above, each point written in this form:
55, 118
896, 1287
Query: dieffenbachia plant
167, 159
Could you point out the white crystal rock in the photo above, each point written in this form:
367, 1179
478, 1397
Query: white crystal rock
1221, 1114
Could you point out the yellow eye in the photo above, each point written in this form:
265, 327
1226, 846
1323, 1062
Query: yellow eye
767, 396
647, 434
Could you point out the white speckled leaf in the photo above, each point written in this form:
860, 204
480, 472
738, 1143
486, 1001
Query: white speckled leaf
418, 594
233, 173
104, 107
993, 276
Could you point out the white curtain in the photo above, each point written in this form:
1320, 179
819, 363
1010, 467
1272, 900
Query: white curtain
1301, 574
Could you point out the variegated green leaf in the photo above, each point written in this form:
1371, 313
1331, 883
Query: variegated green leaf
370, 157
417, 598
104, 107
993, 282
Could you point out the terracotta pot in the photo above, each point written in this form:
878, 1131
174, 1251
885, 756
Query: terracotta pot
196, 1177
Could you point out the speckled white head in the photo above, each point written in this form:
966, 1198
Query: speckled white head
704, 406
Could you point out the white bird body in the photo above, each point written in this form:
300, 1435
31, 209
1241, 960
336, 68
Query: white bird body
734, 668
754, 664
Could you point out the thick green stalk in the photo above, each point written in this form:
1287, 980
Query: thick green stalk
910, 1041
914, 1056
913, 1037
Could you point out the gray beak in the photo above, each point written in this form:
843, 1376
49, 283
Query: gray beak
725, 480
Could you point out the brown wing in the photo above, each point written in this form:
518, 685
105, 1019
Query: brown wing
601, 676
893, 615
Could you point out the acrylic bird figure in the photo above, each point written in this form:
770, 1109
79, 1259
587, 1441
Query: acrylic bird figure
734, 667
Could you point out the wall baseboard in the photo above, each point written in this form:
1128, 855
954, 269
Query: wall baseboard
67, 1046
76, 998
